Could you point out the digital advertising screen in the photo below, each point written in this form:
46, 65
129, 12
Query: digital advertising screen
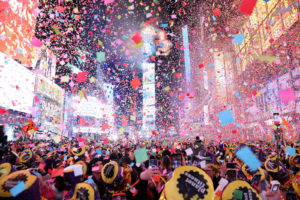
17, 85
17, 25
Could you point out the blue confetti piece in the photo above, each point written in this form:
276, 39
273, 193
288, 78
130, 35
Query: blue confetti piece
20, 187
211, 84
90, 180
290, 151
238, 38
248, 157
225, 117
98, 152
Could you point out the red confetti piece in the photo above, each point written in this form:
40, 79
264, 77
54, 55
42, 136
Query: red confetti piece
247, 6
217, 12
135, 83
81, 77
137, 38
177, 75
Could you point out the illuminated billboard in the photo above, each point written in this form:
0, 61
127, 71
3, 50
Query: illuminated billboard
17, 85
289, 18
220, 76
265, 23
187, 61
17, 25
285, 82
44, 62
91, 106
148, 97
49, 108
48, 88
92, 114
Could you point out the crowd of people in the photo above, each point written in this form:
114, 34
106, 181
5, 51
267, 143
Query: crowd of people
82, 169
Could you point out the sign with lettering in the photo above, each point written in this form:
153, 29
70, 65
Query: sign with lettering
189, 182
240, 190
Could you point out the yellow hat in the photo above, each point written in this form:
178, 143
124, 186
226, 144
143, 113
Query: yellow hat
188, 182
84, 167
78, 151
239, 190
5, 169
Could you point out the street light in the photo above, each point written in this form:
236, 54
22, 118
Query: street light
276, 128
277, 134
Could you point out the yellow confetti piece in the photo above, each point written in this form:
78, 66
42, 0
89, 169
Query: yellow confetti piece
92, 79
121, 130
75, 10
80, 93
132, 118
167, 88
172, 23
139, 45
64, 79
57, 32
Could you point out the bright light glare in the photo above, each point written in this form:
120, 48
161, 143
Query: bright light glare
148, 33
114, 137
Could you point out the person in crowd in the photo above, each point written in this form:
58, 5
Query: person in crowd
80, 169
